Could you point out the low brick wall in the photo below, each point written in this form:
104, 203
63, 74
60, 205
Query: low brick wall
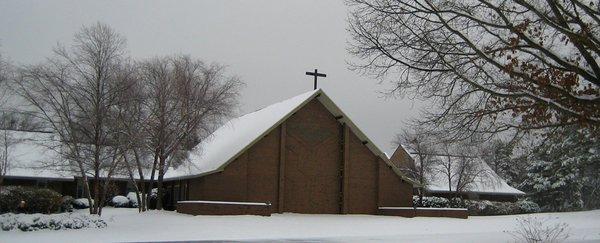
461, 213
223, 208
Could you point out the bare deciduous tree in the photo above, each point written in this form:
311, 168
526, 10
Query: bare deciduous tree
446, 166
460, 166
421, 145
4, 69
132, 138
488, 65
75, 92
7, 142
6, 75
468, 170
4, 155
184, 98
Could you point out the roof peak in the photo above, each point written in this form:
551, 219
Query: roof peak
305, 94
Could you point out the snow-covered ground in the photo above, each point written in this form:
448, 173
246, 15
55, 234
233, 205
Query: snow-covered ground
128, 225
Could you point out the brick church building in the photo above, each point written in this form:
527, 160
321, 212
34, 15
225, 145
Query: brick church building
301, 155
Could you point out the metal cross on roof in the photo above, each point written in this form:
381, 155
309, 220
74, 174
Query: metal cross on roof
316, 74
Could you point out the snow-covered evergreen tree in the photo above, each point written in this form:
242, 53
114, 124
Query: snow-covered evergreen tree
563, 171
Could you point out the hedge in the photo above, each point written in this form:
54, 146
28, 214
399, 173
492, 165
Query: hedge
480, 207
33, 222
30, 200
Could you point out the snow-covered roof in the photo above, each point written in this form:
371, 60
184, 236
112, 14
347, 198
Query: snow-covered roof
33, 155
29, 153
236, 136
486, 180
212, 154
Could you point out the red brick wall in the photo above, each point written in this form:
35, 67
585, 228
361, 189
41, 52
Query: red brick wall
228, 185
362, 182
312, 171
313, 160
402, 159
223, 209
253, 176
263, 170
393, 191
424, 212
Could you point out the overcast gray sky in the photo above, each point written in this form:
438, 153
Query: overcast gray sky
268, 43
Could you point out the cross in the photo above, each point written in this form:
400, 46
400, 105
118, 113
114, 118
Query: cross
316, 74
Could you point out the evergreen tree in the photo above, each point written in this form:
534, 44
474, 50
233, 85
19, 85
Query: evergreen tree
563, 171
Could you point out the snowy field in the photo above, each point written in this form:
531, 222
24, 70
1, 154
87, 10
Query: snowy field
126, 225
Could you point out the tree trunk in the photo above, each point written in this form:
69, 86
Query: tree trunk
421, 193
161, 174
86, 191
96, 192
103, 195
449, 171
4, 163
421, 179
151, 183
137, 191
135, 184
138, 198
143, 203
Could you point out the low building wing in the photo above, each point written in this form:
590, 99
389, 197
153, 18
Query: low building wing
484, 182
484, 179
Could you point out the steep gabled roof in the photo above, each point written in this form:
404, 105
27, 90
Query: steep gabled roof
239, 134
401, 158
485, 182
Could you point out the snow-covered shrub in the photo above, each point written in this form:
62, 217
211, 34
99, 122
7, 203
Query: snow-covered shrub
457, 203
528, 206
507, 208
44, 201
32, 222
81, 203
30, 200
66, 204
416, 201
479, 207
432, 202
485, 207
132, 196
534, 230
120, 202
8, 202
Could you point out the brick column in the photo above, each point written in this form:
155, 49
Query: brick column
345, 169
280, 195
